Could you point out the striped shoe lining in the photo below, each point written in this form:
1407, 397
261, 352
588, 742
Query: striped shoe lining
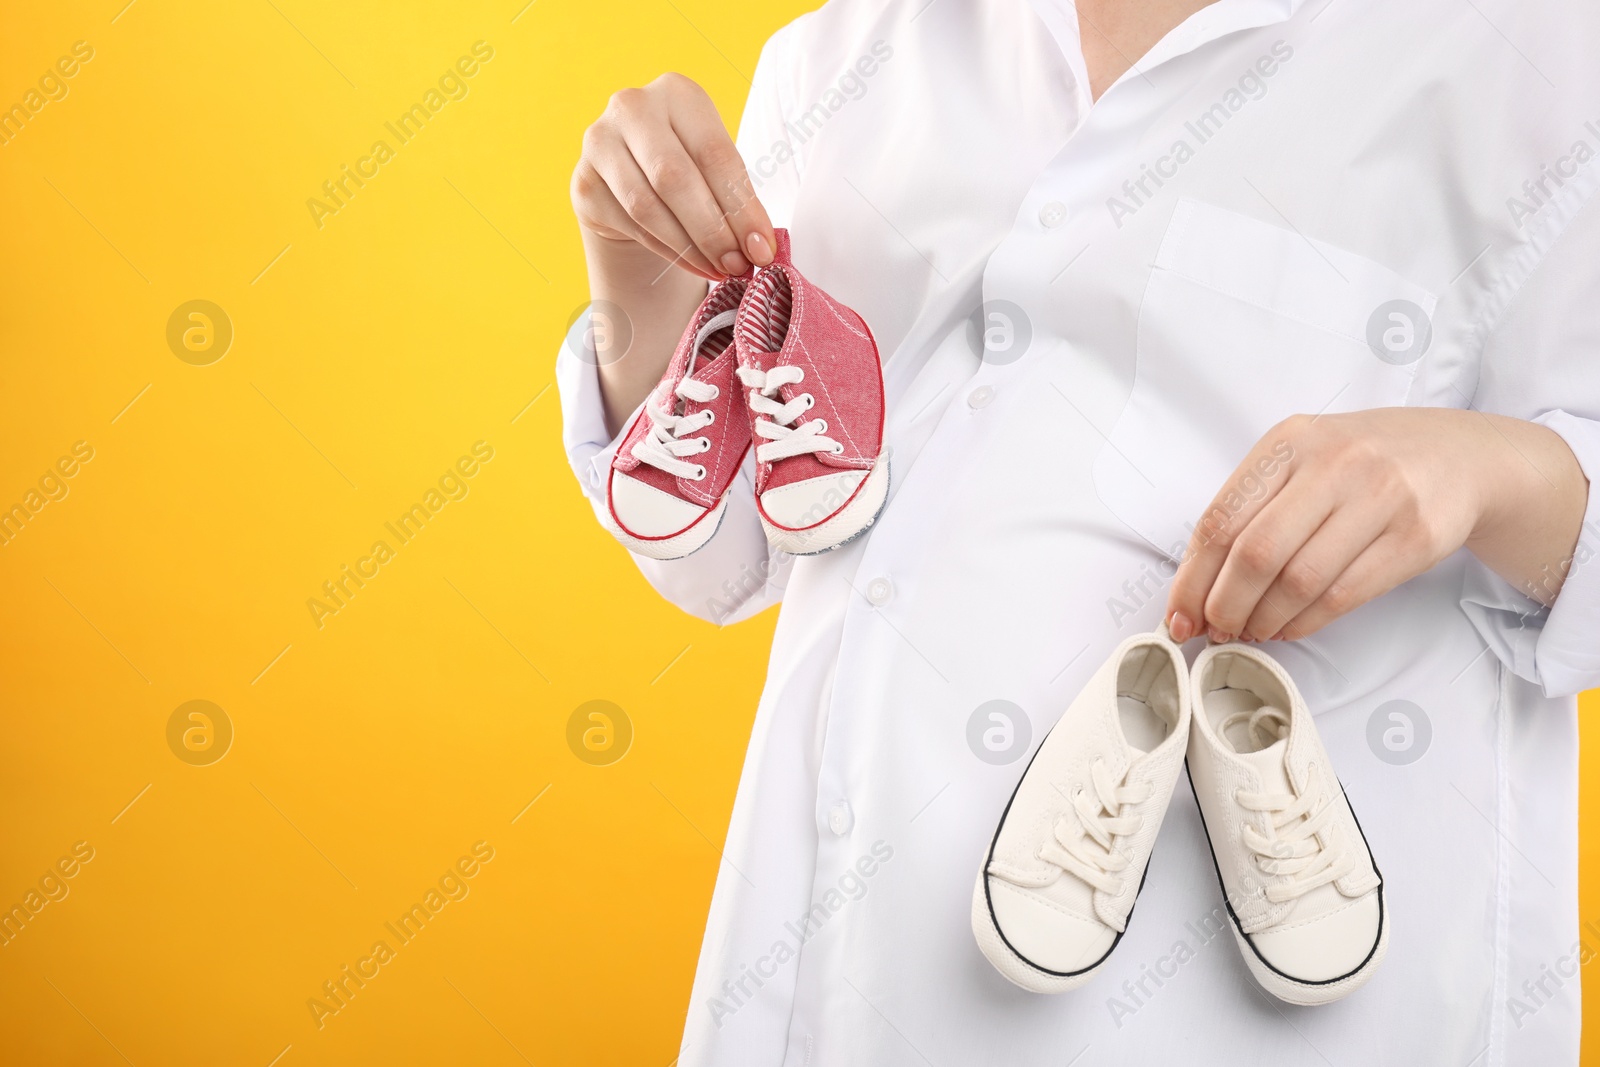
725, 297
765, 320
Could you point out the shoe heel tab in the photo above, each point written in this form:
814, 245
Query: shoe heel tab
783, 252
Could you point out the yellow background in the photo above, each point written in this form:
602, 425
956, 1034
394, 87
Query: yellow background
430, 712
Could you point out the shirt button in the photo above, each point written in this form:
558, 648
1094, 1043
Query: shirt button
879, 591
1053, 214
980, 397
841, 818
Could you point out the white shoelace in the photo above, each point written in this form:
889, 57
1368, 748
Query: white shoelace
784, 439
1083, 846
666, 444
1294, 852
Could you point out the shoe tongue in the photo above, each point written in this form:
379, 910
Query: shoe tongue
1134, 752
757, 357
1272, 764
705, 348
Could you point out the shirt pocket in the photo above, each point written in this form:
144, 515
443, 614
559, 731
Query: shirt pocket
1243, 324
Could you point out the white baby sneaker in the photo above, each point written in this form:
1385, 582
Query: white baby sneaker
1301, 888
1068, 859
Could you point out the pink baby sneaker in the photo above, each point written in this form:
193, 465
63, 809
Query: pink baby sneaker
671, 475
814, 384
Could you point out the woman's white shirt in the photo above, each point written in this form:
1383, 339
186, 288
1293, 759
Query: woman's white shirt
1088, 314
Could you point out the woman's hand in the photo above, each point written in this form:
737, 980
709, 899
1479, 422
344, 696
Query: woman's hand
659, 170
1328, 512
660, 185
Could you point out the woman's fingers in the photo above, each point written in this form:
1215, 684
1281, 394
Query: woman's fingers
1325, 514
700, 129
646, 124
627, 182
1381, 565
659, 168
1252, 484
607, 218
1313, 567
1260, 553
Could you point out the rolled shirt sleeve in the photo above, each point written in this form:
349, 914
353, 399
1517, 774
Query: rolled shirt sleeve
1542, 363
1567, 654
588, 446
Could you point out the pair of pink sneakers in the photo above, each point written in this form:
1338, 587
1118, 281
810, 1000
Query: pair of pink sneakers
768, 360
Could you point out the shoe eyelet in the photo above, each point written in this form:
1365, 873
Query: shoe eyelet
822, 425
705, 444
838, 448
715, 392
711, 416
810, 400
699, 475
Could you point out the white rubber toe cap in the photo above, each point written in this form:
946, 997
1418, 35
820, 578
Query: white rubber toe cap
1327, 947
645, 511
807, 503
1047, 936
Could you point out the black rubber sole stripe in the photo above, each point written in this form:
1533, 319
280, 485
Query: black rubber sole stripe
988, 898
1239, 927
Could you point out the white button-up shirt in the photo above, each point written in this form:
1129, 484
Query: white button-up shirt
1088, 314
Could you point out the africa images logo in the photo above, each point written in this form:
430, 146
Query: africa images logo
851, 886
340, 590
338, 191
1539, 191
452, 886
1252, 85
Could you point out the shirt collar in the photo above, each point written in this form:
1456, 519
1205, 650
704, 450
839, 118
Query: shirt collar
1204, 26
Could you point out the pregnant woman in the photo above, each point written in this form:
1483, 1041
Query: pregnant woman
1264, 320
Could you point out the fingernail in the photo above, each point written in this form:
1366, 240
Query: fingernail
1180, 627
1217, 636
760, 254
734, 264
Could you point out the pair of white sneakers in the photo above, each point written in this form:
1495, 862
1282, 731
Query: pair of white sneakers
1068, 859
